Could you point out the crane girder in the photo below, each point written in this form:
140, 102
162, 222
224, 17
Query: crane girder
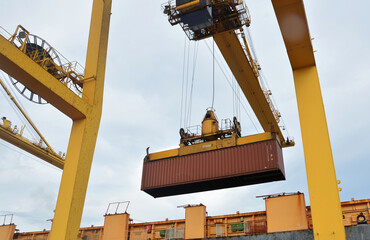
293, 25
29, 73
31, 148
233, 52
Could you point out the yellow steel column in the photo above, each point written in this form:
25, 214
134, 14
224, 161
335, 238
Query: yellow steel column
321, 178
322, 182
84, 132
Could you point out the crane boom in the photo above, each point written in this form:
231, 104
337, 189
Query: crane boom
26, 116
24, 144
11, 136
234, 54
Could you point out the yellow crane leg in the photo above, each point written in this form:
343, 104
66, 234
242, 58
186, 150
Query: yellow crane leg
75, 177
84, 132
322, 182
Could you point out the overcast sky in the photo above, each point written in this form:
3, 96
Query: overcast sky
142, 105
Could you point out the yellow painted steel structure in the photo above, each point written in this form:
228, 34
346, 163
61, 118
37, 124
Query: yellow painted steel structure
64, 72
26, 116
16, 139
238, 57
189, 5
322, 183
85, 113
14, 136
37, 79
211, 145
85, 130
244, 73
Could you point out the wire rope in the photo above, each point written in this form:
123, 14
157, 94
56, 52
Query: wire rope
238, 89
233, 89
186, 83
183, 80
17, 111
263, 80
195, 56
213, 72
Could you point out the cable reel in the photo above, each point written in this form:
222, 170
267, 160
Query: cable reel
41, 52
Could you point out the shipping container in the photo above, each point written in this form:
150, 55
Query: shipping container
242, 165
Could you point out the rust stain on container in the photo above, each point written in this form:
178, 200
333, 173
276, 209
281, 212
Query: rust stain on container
229, 167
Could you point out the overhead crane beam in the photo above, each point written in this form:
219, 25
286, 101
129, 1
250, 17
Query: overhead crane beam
322, 182
18, 65
26, 116
234, 54
31, 148
11, 136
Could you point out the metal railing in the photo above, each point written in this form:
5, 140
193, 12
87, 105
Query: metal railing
117, 204
237, 17
70, 73
7, 216
194, 131
226, 124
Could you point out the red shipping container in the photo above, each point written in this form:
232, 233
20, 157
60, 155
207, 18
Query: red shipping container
242, 165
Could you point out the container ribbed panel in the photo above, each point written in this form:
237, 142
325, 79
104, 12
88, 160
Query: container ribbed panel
241, 165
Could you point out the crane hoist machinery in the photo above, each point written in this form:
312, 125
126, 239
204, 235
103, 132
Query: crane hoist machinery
218, 157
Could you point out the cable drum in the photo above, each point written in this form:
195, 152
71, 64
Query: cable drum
39, 50
42, 53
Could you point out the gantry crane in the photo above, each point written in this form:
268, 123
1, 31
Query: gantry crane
86, 111
224, 21
221, 19
34, 68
